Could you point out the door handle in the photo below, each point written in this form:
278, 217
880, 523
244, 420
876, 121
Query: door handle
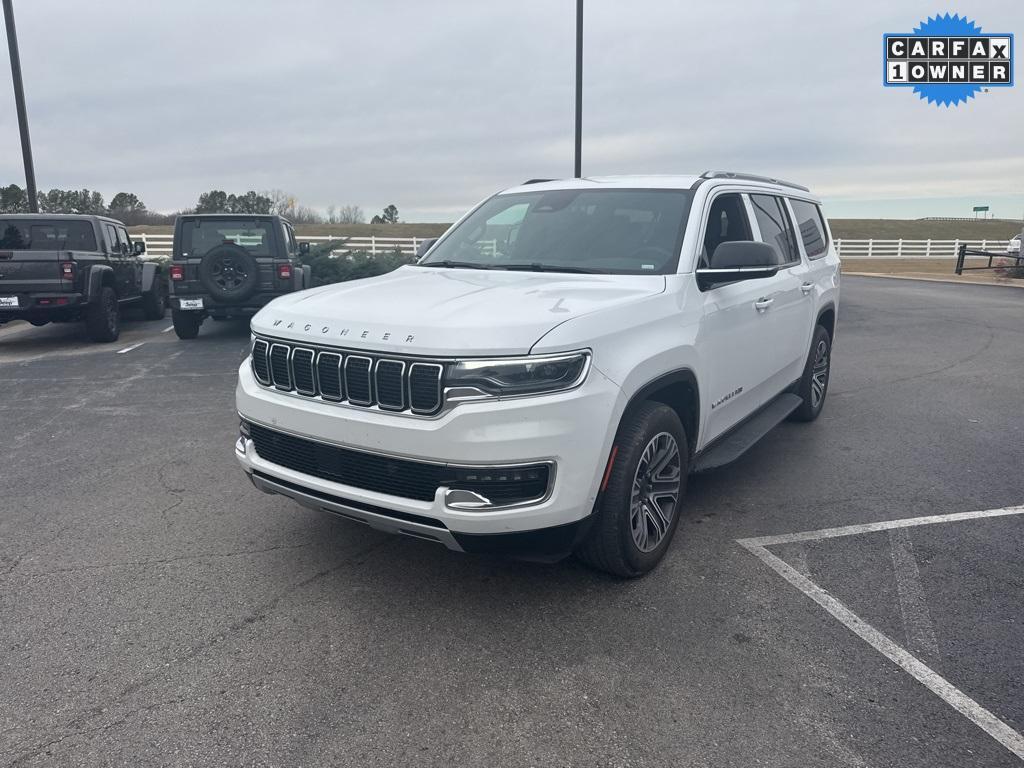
807, 288
762, 304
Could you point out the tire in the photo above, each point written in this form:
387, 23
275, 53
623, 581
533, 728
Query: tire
102, 317
813, 386
154, 303
186, 324
229, 273
39, 323
620, 537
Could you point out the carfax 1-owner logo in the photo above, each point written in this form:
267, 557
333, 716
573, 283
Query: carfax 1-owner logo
948, 59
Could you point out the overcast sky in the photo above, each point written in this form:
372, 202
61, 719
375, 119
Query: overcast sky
434, 105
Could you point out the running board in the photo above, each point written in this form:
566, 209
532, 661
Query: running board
734, 444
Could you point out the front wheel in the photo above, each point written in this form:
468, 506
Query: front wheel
813, 384
638, 513
186, 324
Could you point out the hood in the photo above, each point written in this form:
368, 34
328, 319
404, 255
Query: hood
447, 312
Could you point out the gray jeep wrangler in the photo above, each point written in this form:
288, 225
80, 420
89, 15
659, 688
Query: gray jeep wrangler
230, 265
59, 268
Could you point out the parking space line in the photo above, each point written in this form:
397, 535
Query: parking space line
885, 525
953, 696
129, 349
917, 619
168, 328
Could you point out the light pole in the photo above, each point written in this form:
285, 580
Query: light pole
19, 103
579, 87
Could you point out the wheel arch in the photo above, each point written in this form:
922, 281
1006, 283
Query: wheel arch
679, 391
827, 319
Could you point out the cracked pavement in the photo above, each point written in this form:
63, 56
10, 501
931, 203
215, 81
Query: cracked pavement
155, 609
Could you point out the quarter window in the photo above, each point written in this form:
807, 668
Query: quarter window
811, 226
776, 228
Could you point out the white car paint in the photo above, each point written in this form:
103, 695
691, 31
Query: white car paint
637, 327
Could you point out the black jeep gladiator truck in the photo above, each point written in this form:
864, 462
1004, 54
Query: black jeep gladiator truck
64, 268
230, 265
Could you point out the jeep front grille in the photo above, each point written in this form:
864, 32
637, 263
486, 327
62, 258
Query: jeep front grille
340, 376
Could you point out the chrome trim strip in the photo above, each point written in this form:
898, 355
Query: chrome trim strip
287, 362
379, 522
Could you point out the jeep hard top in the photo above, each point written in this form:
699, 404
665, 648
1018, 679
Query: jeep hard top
230, 265
64, 268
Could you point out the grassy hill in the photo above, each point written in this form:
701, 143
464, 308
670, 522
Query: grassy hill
921, 229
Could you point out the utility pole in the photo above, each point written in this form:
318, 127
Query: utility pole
579, 87
19, 102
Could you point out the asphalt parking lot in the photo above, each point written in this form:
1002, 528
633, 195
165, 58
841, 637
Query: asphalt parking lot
155, 609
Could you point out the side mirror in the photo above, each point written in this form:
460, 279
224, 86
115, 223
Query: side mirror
138, 247
740, 260
304, 248
424, 246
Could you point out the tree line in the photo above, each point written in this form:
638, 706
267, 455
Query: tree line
127, 207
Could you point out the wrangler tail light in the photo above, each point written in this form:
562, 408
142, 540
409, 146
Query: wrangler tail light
284, 271
177, 272
67, 270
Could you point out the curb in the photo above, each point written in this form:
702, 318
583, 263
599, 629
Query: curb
932, 280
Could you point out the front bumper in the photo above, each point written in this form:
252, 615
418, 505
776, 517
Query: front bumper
573, 430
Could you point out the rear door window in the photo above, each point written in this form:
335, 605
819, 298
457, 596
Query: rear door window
811, 226
111, 235
776, 228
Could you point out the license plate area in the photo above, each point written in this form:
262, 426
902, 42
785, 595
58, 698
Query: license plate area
9, 301
191, 303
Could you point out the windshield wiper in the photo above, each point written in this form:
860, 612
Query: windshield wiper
538, 267
455, 264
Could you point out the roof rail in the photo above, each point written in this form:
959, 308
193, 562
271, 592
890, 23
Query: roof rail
751, 177
535, 181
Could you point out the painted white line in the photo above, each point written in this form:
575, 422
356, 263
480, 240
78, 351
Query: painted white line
917, 619
853, 530
129, 349
957, 699
168, 328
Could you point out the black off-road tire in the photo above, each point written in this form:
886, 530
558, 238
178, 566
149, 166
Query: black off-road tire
103, 317
186, 324
154, 302
813, 385
609, 544
230, 273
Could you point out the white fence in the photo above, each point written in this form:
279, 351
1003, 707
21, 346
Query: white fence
160, 245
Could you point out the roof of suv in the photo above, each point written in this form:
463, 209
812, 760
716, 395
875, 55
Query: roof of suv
654, 181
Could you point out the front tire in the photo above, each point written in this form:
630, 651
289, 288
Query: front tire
102, 318
813, 386
638, 512
186, 324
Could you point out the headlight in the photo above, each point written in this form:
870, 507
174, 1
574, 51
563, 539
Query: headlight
521, 375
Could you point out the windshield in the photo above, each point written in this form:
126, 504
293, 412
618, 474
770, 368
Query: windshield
47, 235
622, 231
199, 236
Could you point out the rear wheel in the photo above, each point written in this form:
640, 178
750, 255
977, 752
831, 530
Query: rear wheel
102, 318
154, 303
186, 324
813, 386
639, 509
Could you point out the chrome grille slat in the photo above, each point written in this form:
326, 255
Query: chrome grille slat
260, 365
302, 371
346, 376
280, 372
328, 375
358, 380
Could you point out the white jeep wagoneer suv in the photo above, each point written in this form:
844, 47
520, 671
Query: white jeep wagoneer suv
549, 373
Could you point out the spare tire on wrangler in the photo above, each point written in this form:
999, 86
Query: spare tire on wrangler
229, 273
